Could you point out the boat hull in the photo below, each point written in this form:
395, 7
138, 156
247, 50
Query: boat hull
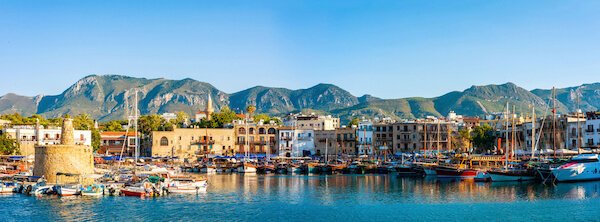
577, 172
443, 172
504, 177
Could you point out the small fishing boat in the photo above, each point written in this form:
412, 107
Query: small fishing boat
281, 168
67, 190
7, 187
313, 168
187, 185
135, 191
482, 176
294, 169
94, 190
247, 168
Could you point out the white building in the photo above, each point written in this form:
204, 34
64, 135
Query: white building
30, 136
591, 132
296, 142
169, 116
312, 122
48, 136
364, 133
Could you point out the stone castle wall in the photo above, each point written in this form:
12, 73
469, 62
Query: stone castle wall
53, 159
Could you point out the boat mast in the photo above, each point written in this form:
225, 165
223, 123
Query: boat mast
135, 124
554, 120
578, 143
506, 137
425, 136
533, 132
326, 154
513, 115
437, 156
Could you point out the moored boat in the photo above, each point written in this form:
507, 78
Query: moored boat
511, 174
455, 172
582, 167
187, 185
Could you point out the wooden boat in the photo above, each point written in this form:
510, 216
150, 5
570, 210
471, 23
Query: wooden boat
511, 174
135, 191
67, 190
460, 172
294, 169
247, 168
313, 168
281, 168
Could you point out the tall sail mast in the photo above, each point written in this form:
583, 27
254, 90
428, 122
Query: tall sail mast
513, 115
554, 120
506, 138
533, 132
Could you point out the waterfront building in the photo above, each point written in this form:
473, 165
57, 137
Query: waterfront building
113, 143
260, 136
426, 135
312, 122
592, 130
326, 143
383, 136
364, 133
206, 113
346, 142
28, 136
193, 142
295, 142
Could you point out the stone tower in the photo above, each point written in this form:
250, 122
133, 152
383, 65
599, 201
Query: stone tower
66, 157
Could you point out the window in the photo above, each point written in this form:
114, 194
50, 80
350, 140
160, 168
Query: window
251, 130
271, 131
242, 130
164, 141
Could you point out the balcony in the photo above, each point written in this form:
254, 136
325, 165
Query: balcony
286, 138
589, 130
203, 142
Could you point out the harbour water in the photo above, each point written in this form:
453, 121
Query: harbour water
239, 197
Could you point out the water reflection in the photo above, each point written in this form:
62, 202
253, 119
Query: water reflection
368, 189
251, 197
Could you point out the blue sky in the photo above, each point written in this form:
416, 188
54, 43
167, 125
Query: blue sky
389, 49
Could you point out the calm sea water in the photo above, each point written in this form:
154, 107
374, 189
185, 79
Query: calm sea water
326, 198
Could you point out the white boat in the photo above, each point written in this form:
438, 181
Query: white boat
187, 185
67, 190
7, 187
208, 170
40, 190
580, 168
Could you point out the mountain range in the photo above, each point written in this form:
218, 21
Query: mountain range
105, 97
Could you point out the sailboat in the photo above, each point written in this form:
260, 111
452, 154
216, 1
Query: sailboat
512, 173
246, 166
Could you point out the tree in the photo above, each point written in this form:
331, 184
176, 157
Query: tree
219, 119
354, 122
483, 138
8, 146
181, 119
83, 122
464, 139
113, 126
149, 123
96, 139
